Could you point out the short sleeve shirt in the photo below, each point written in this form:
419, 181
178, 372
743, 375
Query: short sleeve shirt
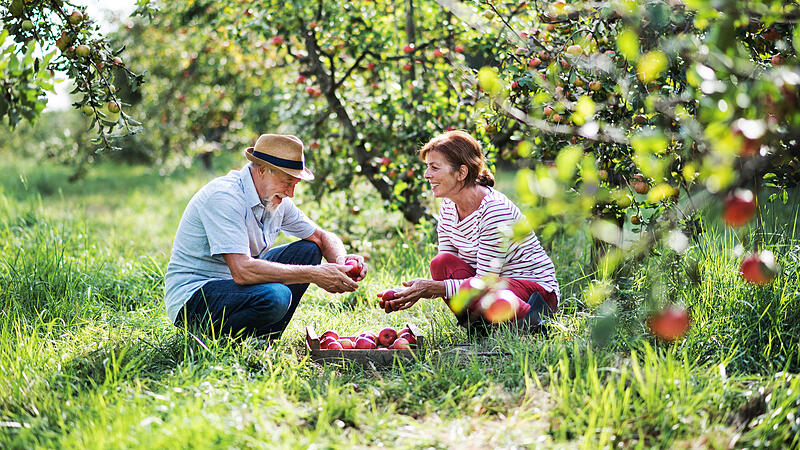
225, 216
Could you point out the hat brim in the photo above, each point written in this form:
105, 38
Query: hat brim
303, 174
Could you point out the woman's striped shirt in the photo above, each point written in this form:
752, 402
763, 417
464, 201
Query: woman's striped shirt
482, 240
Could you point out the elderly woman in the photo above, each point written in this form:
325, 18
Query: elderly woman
472, 221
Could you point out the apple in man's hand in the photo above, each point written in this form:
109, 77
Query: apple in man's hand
355, 268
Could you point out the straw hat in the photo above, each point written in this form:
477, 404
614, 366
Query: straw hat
281, 151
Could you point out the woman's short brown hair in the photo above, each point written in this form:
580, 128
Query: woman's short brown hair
460, 148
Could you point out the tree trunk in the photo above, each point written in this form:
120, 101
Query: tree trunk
413, 210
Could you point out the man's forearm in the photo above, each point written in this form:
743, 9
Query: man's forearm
257, 271
331, 246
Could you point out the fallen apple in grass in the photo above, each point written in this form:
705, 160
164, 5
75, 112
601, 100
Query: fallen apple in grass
670, 323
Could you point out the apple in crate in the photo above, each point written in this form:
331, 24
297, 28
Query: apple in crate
387, 336
329, 333
407, 336
400, 344
347, 343
326, 341
365, 343
335, 345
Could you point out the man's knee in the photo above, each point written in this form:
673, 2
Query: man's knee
441, 263
311, 250
276, 298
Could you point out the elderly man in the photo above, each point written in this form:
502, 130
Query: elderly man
223, 272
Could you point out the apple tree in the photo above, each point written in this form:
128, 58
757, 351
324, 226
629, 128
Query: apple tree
42, 38
647, 110
365, 83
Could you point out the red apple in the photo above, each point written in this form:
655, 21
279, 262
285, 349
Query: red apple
329, 333
277, 40
776, 60
387, 294
515, 85
641, 187
370, 66
556, 117
759, 268
387, 336
335, 345
671, 323
595, 86
355, 268
312, 25
459, 49
500, 306
400, 344
636, 220
639, 119
437, 53
364, 343
406, 66
408, 336
740, 207
408, 48
301, 79
347, 343
548, 111
113, 106
324, 342
534, 62
76, 17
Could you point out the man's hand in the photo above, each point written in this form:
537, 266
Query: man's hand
357, 268
333, 278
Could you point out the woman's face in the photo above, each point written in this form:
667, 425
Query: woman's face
445, 180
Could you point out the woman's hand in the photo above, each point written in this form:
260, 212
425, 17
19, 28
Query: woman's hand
405, 298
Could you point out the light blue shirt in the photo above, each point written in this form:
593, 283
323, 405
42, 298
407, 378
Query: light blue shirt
224, 217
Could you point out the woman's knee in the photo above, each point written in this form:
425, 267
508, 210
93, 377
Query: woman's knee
442, 264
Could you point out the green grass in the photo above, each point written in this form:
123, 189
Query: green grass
89, 360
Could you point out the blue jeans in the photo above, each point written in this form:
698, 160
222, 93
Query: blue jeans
225, 307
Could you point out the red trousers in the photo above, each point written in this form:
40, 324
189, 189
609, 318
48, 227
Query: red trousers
447, 266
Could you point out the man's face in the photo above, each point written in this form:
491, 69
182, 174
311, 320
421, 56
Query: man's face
275, 186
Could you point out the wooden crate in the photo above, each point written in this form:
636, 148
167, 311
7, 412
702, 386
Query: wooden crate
377, 357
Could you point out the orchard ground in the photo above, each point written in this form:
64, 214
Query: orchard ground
89, 360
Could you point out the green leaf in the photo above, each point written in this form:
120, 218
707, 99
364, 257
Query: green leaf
628, 44
796, 39
652, 65
567, 161
584, 110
